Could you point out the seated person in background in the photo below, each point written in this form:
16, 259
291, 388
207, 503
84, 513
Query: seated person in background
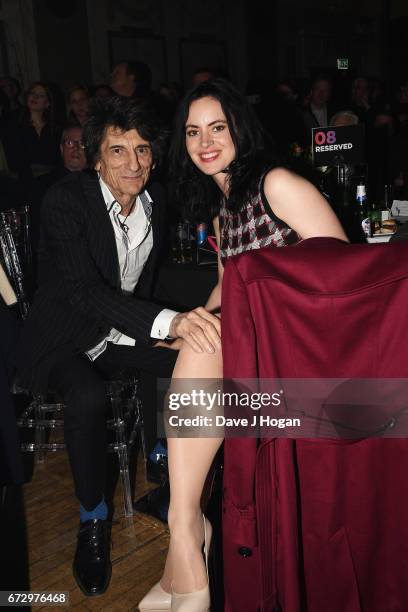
101, 232
360, 96
379, 127
318, 110
12, 89
343, 118
78, 104
33, 138
132, 79
73, 160
72, 149
279, 115
102, 90
72, 156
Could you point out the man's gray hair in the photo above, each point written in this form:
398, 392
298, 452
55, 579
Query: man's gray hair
350, 117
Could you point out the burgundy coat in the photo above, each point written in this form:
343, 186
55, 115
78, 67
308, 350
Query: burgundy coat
317, 525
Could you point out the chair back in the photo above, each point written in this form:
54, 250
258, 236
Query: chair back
15, 252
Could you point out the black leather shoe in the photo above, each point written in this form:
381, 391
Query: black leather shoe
156, 502
92, 565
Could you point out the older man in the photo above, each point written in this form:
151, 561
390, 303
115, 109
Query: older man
101, 235
72, 149
72, 160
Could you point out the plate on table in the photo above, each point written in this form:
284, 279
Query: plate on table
380, 237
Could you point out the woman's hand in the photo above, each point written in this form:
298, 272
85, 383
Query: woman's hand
174, 345
199, 328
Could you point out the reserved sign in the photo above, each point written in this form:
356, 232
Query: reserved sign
334, 146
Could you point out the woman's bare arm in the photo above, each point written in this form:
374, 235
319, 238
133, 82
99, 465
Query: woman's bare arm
300, 205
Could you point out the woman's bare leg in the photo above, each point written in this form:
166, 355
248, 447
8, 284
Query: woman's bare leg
189, 462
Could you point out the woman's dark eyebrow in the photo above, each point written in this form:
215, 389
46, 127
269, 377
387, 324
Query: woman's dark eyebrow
191, 125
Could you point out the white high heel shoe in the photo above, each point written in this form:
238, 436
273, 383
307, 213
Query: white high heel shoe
156, 600
196, 601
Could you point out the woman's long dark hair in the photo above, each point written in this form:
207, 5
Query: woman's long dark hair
198, 193
48, 114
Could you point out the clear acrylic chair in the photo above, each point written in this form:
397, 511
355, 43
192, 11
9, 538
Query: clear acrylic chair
15, 252
125, 421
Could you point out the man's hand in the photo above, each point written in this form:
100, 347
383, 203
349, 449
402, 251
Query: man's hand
199, 328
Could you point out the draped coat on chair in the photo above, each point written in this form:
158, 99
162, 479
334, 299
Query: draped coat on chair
316, 524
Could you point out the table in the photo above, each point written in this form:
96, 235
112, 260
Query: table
185, 286
379, 238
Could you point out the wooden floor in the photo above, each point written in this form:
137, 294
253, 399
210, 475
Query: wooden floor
139, 544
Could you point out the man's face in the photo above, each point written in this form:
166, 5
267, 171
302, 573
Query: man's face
72, 151
121, 82
125, 163
320, 93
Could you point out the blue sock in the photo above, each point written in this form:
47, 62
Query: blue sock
99, 512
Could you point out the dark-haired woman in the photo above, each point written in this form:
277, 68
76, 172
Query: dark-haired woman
222, 169
34, 138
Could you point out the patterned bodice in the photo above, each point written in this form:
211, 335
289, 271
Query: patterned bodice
253, 227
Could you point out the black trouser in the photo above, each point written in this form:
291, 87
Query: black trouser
81, 384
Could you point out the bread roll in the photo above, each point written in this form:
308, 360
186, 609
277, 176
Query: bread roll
389, 225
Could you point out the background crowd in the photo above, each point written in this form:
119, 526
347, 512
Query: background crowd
40, 129
41, 137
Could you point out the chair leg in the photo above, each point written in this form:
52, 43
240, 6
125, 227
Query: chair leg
123, 455
140, 428
124, 474
138, 425
39, 433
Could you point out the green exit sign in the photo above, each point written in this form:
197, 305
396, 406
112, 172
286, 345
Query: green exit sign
342, 63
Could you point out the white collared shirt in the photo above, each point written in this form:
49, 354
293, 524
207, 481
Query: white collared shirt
320, 114
134, 242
